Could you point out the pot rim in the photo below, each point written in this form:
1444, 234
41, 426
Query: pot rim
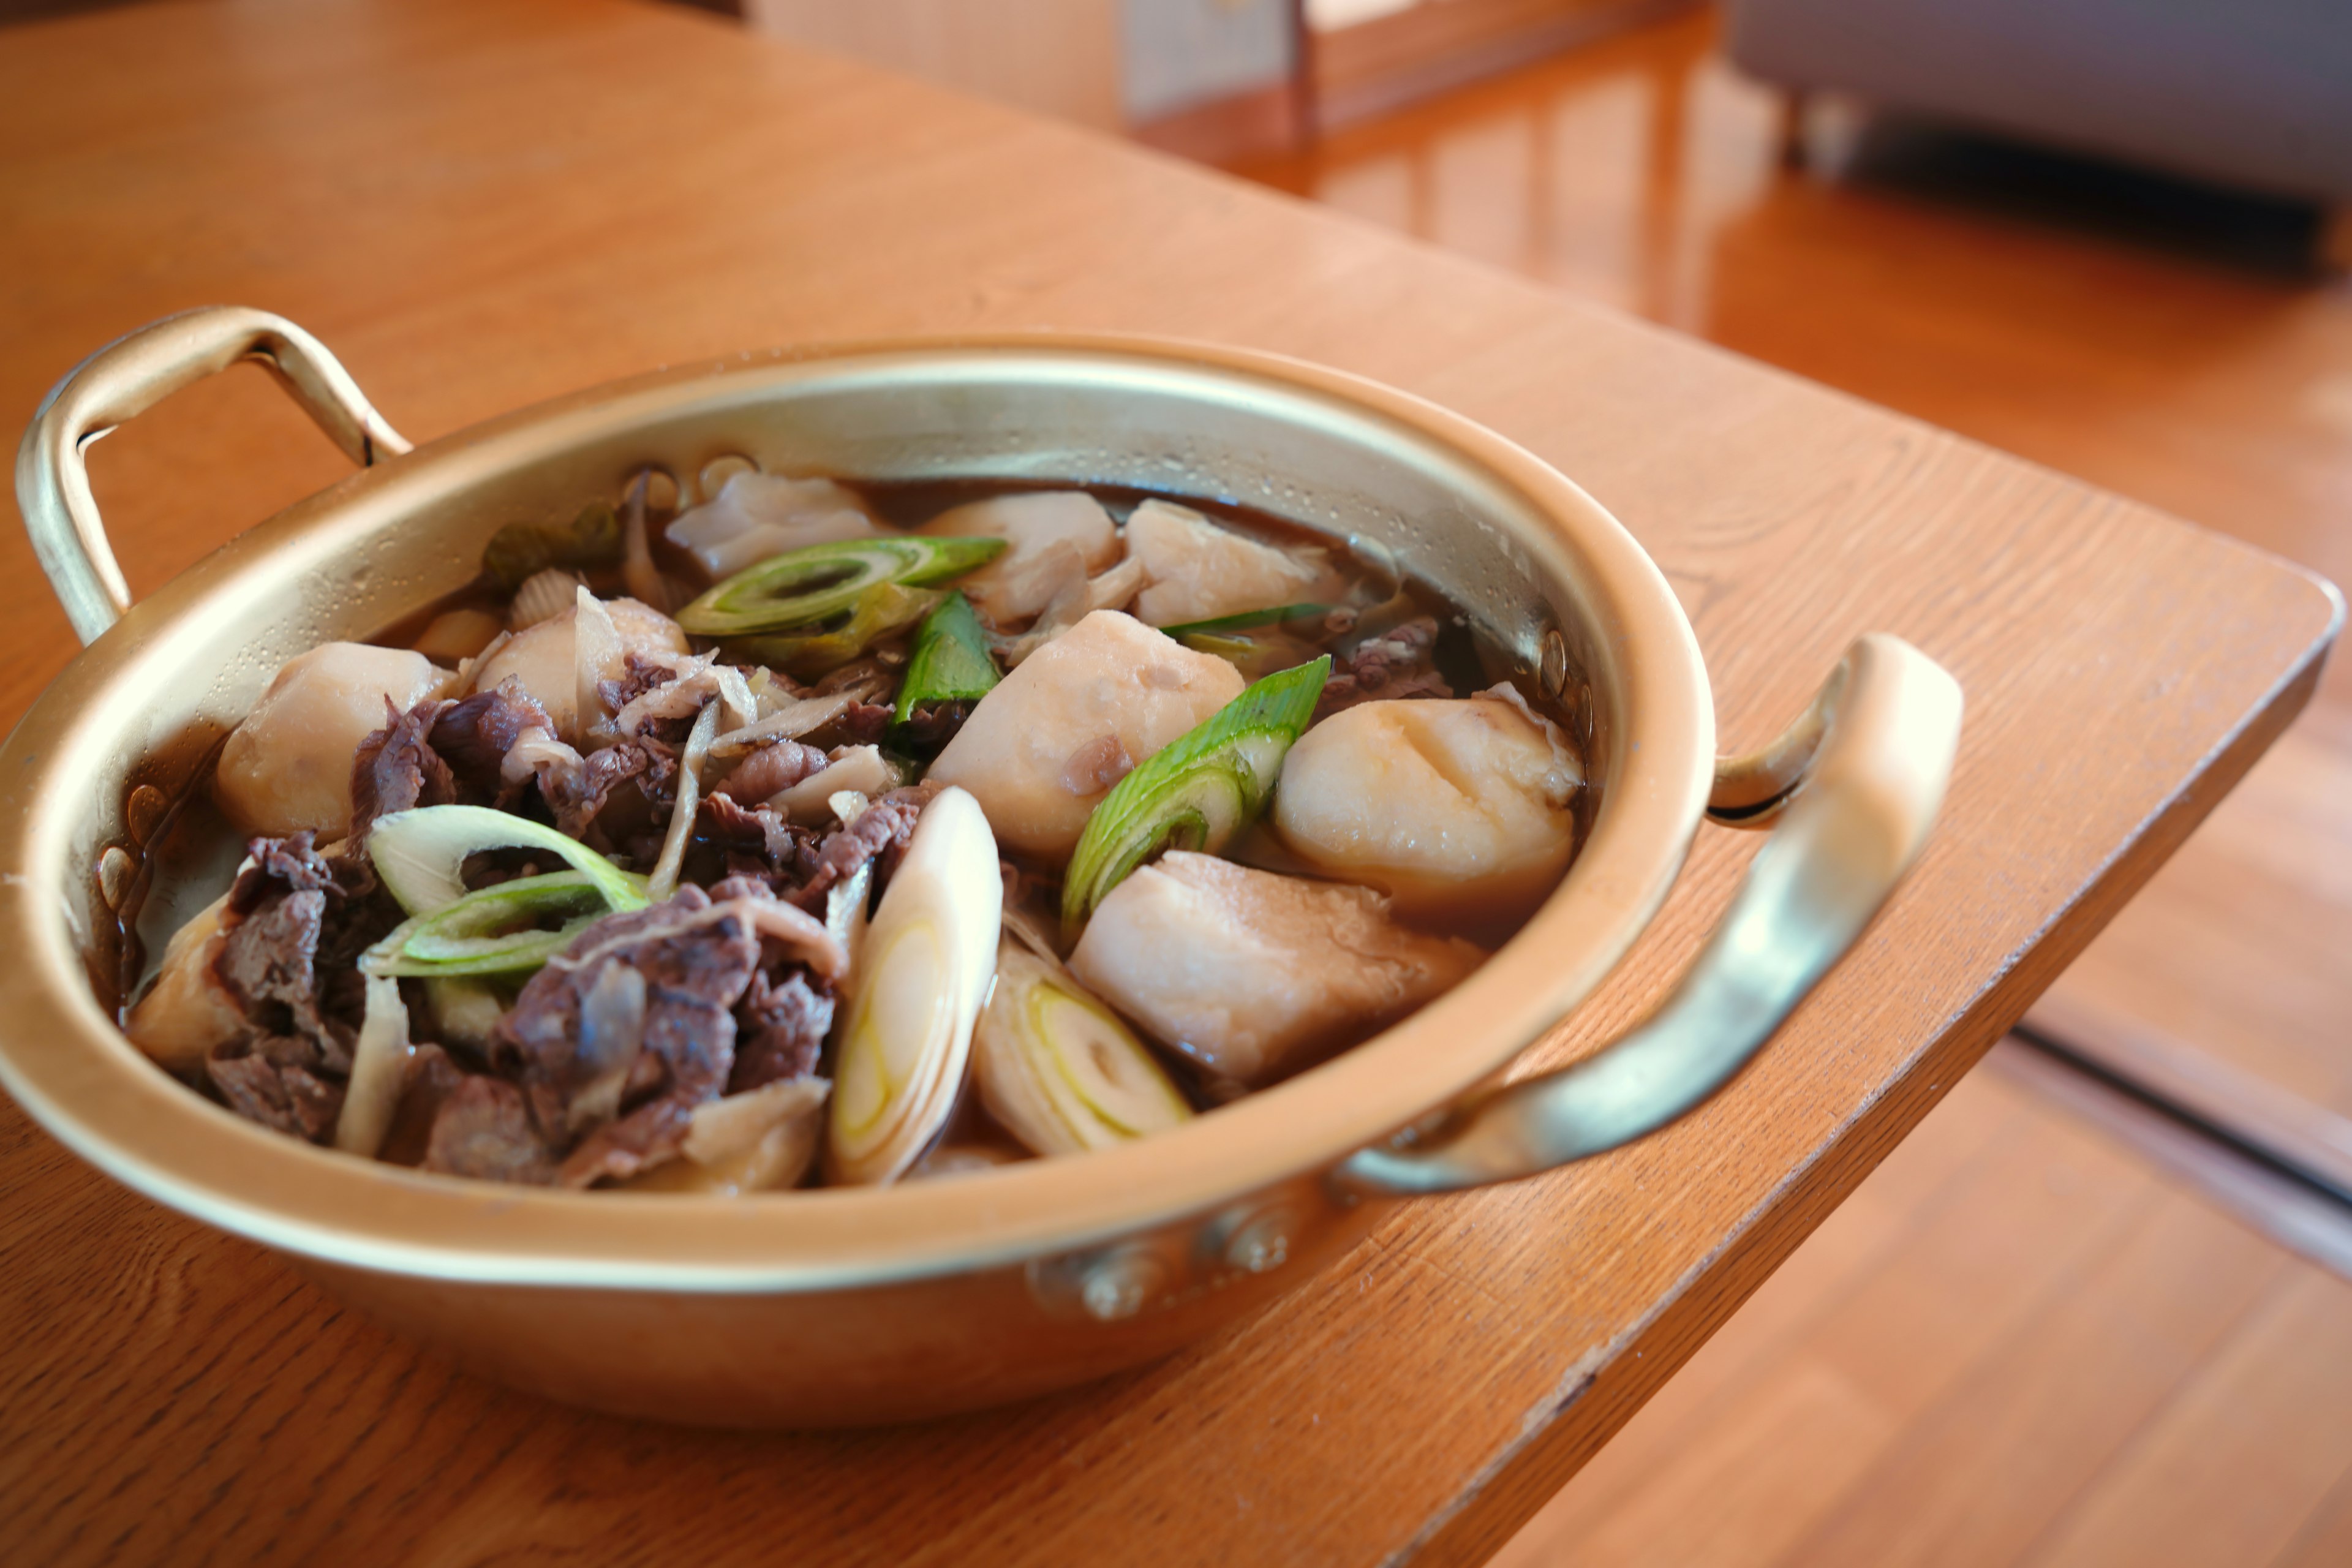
70, 1066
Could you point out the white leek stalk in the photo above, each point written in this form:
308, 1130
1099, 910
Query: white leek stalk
923, 971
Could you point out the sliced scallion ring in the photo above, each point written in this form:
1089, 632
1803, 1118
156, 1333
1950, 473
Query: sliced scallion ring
818, 582
506, 929
421, 855
1246, 619
1198, 792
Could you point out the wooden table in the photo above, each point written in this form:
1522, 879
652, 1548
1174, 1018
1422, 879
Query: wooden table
480, 203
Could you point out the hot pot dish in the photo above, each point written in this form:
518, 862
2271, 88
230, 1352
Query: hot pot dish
867, 882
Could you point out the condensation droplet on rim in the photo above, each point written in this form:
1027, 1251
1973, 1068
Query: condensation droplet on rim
1552, 675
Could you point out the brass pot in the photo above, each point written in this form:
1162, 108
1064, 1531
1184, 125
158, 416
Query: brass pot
858, 1305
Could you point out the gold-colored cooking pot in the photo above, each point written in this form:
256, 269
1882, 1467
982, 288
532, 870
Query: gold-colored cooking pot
852, 1305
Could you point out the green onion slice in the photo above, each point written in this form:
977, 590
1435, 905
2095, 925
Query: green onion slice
504, 929
951, 662
421, 855
1198, 792
885, 607
1244, 620
819, 581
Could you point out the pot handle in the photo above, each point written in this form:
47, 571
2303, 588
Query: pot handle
131, 375
1855, 784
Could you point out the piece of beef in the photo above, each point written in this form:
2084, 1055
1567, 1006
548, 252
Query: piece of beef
655, 982
431, 1076
1395, 663
276, 1080
639, 676
473, 735
774, 768
396, 768
577, 796
648, 1136
879, 834
483, 1129
269, 963
863, 723
295, 925
280, 866
780, 1029
757, 835
930, 726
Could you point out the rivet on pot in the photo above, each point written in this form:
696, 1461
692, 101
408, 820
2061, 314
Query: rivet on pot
1121, 1284
1552, 674
1262, 1245
719, 470
115, 869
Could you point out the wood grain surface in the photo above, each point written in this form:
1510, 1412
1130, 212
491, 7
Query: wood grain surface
478, 205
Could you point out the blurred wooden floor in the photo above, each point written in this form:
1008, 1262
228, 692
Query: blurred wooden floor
2017, 1344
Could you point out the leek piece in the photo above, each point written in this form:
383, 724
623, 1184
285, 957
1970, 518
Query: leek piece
819, 581
1058, 1068
812, 650
421, 855
1244, 620
1198, 793
501, 930
923, 972
951, 662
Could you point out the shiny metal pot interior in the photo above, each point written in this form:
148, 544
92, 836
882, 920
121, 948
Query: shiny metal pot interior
867, 1304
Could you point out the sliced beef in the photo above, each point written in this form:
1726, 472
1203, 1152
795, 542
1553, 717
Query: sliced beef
863, 723
647, 1136
774, 768
656, 983
396, 768
577, 799
277, 1081
755, 835
780, 1029
295, 924
473, 735
268, 962
431, 1079
1399, 662
280, 866
483, 1129
879, 834
930, 726
639, 676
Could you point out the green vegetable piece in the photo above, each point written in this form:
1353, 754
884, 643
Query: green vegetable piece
421, 855
1198, 793
1244, 620
816, 582
509, 927
885, 608
521, 549
951, 662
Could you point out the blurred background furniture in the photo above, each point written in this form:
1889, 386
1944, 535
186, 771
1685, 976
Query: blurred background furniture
2252, 93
